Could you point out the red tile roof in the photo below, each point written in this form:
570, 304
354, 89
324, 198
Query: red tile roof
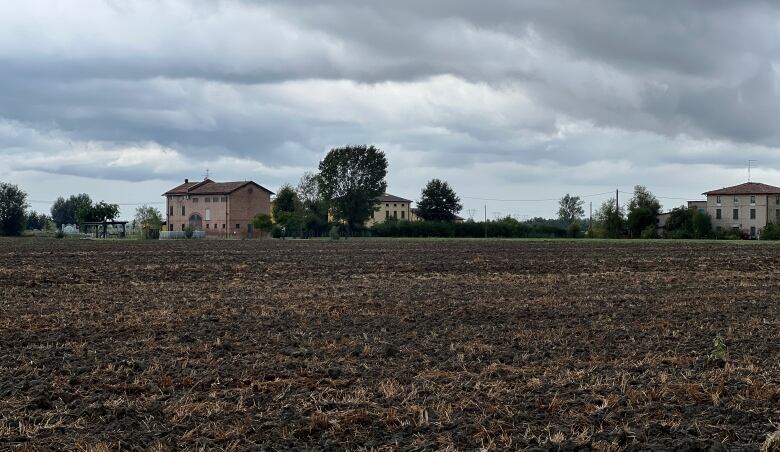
209, 187
748, 188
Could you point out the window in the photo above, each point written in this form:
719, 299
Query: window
719, 215
777, 213
207, 199
777, 199
183, 227
224, 199
171, 209
395, 205
736, 199
207, 225
182, 211
402, 204
238, 226
387, 214
194, 200
717, 199
223, 225
395, 214
208, 214
753, 232
387, 205
403, 214
752, 214
735, 214
752, 199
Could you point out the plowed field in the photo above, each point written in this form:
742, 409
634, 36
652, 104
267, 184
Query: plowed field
388, 345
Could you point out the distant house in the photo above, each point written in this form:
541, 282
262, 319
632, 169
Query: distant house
390, 207
224, 209
747, 207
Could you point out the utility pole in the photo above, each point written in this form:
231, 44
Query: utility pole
617, 202
590, 221
485, 220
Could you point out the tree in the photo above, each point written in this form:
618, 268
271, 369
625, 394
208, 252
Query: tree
438, 202
148, 217
13, 202
35, 220
570, 208
287, 209
680, 223
64, 211
702, 225
263, 223
643, 210
610, 219
315, 209
350, 180
101, 211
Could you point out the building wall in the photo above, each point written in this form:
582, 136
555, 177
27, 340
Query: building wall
384, 210
220, 213
765, 206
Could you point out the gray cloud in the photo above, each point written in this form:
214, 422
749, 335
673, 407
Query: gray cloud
506, 91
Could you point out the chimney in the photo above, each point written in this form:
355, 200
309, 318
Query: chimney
186, 181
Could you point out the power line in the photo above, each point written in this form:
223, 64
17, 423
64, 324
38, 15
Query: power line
531, 200
119, 203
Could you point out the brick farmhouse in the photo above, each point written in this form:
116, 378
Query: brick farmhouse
220, 209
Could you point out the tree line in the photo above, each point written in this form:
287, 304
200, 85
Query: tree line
343, 195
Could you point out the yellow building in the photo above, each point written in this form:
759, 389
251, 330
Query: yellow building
390, 206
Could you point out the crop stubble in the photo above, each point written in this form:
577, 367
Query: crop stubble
387, 344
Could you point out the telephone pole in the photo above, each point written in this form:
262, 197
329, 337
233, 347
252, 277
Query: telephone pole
617, 202
485, 220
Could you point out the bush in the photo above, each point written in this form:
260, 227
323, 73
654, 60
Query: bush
150, 233
771, 232
277, 232
334, 233
503, 228
573, 231
188, 231
60, 234
649, 233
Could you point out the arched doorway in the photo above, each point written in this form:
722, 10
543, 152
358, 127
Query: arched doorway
196, 222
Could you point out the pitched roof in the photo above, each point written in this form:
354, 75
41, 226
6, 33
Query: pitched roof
209, 187
748, 188
386, 197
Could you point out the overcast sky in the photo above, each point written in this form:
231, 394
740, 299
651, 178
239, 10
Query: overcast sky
504, 99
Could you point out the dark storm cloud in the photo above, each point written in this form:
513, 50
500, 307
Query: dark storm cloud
451, 83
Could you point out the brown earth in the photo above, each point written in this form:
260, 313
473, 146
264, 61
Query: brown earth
387, 345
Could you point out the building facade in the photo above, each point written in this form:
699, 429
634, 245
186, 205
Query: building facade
390, 206
748, 207
220, 209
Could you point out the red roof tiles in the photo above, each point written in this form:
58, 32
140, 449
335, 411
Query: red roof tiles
748, 188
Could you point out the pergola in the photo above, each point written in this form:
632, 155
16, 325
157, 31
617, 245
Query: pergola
101, 227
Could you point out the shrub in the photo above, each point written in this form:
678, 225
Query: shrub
573, 231
771, 232
60, 234
189, 231
277, 232
649, 233
334, 233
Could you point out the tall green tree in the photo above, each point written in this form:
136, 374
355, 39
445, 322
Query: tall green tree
643, 210
610, 219
35, 220
148, 217
287, 209
13, 203
570, 209
315, 209
101, 211
350, 179
64, 211
438, 202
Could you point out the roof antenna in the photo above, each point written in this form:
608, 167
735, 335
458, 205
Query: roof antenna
206, 176
750, 162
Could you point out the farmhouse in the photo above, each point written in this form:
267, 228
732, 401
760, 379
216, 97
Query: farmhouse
223, 209
390, 206
747, 207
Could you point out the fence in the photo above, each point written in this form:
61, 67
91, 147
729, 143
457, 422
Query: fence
181, 235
